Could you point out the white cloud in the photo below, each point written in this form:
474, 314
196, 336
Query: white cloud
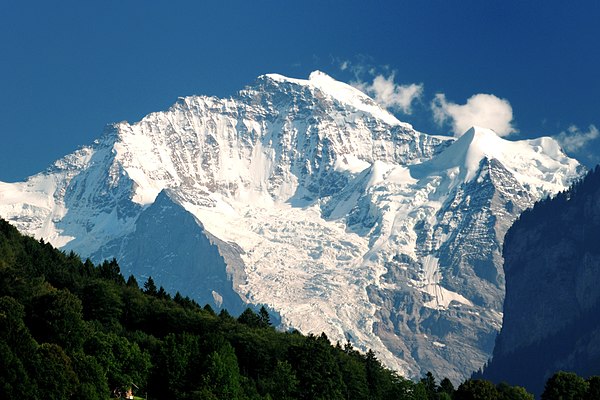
359, 67
391, 95
573, 139
485, 110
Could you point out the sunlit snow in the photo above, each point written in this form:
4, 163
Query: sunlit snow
321, 196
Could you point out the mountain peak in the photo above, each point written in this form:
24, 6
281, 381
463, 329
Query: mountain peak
479, 142
313, 78
311, 193
341, 92
529, 160
476, 130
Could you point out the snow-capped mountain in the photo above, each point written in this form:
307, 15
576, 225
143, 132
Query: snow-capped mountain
307, 197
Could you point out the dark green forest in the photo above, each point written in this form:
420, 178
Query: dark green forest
74, 330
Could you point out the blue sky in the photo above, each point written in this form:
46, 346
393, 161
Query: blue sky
69, 68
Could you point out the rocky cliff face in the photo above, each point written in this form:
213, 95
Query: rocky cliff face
168, 243
307, 197
552, 307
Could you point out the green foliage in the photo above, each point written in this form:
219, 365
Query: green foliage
56, 316
206, 308
14, 379
178, 365
264, 317
354, 374
123, 362
283, 383
593, 388
162, 294
430, 385
222, 376
476, 389
92, 383
565, 386
150, 287
102, 301
13, 331
53, 372
384, 384
419, 392
225, 316
507, 392
317, 369
132, 282
110, 271
70, 329
250, 318
446, 386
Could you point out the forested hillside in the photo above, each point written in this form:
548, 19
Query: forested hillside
73, 330
70, 329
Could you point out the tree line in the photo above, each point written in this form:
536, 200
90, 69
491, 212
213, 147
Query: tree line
70, 329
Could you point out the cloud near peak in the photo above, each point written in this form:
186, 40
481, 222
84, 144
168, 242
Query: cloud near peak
574, 139
485, 110
391, 95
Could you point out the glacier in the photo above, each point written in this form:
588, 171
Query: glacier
306, 196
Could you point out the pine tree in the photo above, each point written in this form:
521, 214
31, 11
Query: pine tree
265, 319
150, 287
430, 386
250, 318
446, 386
132, 282
209, 309
162, 293
110, 270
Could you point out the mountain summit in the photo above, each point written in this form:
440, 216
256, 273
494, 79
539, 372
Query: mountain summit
307, 197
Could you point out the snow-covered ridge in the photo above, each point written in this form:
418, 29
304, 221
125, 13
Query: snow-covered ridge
343, 93
343, 219
538, 163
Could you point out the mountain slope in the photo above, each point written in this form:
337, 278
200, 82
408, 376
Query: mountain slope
323, 206
169, 243
552, 302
